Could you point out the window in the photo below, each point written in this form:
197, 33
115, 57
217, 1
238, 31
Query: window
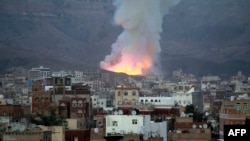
74, 103
134, 121
156, 100
36, 99
151, 100
134, 93
80, 103
125, 93
71, 138
5, 113
63, 105
245, 106
114, 123
99, 122
79, 115
119, 93
142, 101
237, 106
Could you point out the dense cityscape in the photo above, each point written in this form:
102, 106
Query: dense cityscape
45, 105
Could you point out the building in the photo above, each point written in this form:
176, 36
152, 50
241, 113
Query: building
38, 74
97, 134
187, 130
14, 112
126, 95
134, 126
233, 112
41, 100
77, 135
57, 132
77, 78
98, 102
210, 82
7, 81
157, 101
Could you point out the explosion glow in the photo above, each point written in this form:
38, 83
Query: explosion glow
136, 50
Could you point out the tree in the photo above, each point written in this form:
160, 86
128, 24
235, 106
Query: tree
48, 120
197, 116
189, 109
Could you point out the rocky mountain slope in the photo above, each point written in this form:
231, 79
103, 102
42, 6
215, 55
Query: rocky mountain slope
201, 37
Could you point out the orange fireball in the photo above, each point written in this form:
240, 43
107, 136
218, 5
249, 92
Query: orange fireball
131, 65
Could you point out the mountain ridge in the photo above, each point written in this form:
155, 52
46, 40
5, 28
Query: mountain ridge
79, 33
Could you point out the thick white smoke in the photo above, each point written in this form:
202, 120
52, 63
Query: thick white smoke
137, 47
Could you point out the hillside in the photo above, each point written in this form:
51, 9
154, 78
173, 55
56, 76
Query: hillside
201, 37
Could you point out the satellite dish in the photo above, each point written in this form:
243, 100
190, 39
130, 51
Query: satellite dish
122, 132
120, 112
194, 126
205, 125
115, 112
200, 126
183, 114
133, 112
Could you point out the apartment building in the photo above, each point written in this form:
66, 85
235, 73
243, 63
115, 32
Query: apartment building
126, 95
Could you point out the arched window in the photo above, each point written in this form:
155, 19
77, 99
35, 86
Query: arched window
36, 99
142, 100
74, 103
62, 104
80, 103
79, 113
5, 113
42, 99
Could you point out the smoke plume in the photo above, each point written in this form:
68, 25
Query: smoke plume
137, 48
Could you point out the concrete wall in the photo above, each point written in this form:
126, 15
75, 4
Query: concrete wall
124, 124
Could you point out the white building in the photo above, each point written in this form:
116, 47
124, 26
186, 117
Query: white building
98, 102
61, 73
184, 98
78, 77
119, 125
161, 101
95, 85
124, 124
210, 82
39, 73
